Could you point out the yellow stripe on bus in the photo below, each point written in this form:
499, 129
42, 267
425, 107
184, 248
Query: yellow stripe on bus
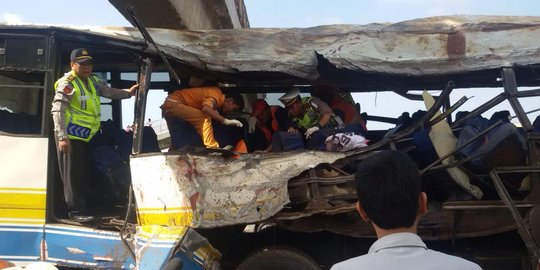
22, 200
22, 216
22, 189
168, 209
161, 232
183, 218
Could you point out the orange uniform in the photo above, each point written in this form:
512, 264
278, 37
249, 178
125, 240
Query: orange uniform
187, 104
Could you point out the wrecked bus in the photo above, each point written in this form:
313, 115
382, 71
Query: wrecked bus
295, 209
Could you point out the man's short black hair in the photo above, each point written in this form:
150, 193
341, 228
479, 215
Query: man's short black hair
237, 99
388, 186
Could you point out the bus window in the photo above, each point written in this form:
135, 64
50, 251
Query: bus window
20, 105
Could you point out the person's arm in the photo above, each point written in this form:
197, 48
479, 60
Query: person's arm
324, 110
115, 93
208, 107
62, 97
212, 113
325, 118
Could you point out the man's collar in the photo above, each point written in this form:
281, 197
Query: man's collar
404, 239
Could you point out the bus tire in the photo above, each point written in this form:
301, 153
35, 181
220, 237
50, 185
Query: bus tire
278, 258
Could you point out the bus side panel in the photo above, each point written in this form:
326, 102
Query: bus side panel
23, 180
78, 246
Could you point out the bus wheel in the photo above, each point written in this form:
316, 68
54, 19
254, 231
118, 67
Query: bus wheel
278, 258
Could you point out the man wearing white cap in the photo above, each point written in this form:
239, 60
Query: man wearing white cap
310, 115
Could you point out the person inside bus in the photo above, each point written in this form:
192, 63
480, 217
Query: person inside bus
341, 103
267, 121
314, 119
76, 115
198, 106
388, 186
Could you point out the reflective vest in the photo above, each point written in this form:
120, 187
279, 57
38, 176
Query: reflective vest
83, 115
312, 116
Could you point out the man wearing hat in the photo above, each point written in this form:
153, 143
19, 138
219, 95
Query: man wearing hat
76, 114
268, 120
310, 115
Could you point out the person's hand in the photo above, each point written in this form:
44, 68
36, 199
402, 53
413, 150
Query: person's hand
310, 131
252, 122
228, 147
292, 130
232, 122
133, 90
64, 146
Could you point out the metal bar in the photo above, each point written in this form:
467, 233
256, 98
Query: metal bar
510, 88
381, 119
409, 130
517, 169
447, 112
522, 227
478, 111
148, 39
528, 112
461, 147
409, 96
321, 180
24, 86
528, 93
486, 206
140, 104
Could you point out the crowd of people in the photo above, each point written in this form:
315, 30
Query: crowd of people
301, 123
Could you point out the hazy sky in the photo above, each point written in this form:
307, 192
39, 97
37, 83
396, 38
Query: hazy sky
274, 13
282, 13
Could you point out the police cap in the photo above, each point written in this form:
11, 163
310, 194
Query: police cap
80, 55
291, 97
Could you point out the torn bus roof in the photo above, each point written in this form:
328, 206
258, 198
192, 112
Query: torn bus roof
425, 47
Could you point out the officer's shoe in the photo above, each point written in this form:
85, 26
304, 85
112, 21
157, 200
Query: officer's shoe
80, 217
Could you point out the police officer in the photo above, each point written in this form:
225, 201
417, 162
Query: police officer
76, 115
310, 114
315, 119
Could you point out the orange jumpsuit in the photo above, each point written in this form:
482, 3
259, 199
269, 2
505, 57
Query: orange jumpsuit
187, 104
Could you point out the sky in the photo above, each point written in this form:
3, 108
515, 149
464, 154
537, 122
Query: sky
283, 13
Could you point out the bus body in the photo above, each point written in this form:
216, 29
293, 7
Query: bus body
248, 206
33, 222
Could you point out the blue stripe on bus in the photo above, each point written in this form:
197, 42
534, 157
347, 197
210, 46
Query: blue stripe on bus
73, 246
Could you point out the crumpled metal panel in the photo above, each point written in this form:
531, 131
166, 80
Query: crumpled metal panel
428, 46
211, 191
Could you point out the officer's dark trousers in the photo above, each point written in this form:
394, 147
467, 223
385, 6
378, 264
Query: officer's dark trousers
76, 175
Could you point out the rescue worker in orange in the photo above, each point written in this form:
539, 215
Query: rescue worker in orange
268, 120
198, 106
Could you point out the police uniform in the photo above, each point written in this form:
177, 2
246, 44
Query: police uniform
76, 115
313, 109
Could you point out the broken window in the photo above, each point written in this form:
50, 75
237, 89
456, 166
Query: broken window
20, 104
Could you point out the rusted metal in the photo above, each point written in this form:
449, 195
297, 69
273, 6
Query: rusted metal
510, 88
142, 93
456, 45
523, 230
